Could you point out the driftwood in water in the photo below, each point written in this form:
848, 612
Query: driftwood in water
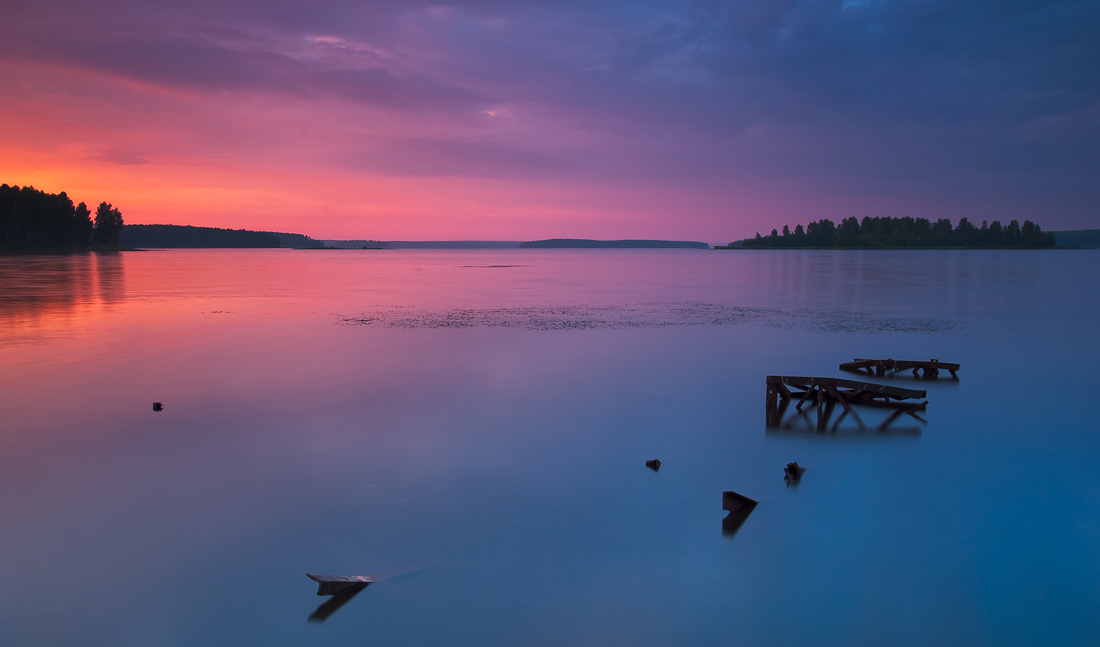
335, 584
881, 367
827, 392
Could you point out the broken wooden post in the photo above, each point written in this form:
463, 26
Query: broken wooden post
334, 584
732, 501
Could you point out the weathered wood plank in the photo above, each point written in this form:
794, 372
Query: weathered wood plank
335, 584
930, 367
852, 385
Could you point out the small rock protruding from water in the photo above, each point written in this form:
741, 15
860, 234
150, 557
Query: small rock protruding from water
157, 406
653, 464
793, 471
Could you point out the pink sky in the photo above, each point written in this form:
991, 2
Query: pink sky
517, 121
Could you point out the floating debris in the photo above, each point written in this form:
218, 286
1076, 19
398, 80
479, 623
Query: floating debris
334, 584
879, 367
793, 471
158, 406
653, 464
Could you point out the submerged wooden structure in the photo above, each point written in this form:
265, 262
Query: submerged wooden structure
826, 392
337, 584
880, 367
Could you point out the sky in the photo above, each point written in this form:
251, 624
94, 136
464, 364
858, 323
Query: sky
526, 119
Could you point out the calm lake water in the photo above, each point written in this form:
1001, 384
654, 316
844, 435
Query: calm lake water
471, 427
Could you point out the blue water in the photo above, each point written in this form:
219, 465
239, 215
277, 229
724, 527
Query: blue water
470, 428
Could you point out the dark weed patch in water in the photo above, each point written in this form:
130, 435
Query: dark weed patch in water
645, 315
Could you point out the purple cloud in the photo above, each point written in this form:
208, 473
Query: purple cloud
972, 103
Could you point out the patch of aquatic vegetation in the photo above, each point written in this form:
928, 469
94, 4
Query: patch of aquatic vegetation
644, 315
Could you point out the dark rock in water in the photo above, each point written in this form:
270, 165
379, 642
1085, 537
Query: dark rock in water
653, 464
158, 406
793, 471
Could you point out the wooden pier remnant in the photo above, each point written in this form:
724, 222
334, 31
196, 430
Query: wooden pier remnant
880, 367
827, 392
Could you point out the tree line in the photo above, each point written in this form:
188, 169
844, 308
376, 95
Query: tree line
905, 232
186, 236
30, 218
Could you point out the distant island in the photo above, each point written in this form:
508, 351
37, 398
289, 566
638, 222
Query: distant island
31, 219
584, 243
1079, 238
893, 233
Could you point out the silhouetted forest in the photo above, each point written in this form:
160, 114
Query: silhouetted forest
905, 232
184, 236
30, 218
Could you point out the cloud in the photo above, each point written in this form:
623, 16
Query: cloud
856, 97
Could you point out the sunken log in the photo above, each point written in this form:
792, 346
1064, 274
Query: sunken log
336, 584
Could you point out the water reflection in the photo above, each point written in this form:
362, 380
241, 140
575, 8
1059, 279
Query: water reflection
48, 291
844, 433
739, 507
527, 446
733, 521
333, 604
